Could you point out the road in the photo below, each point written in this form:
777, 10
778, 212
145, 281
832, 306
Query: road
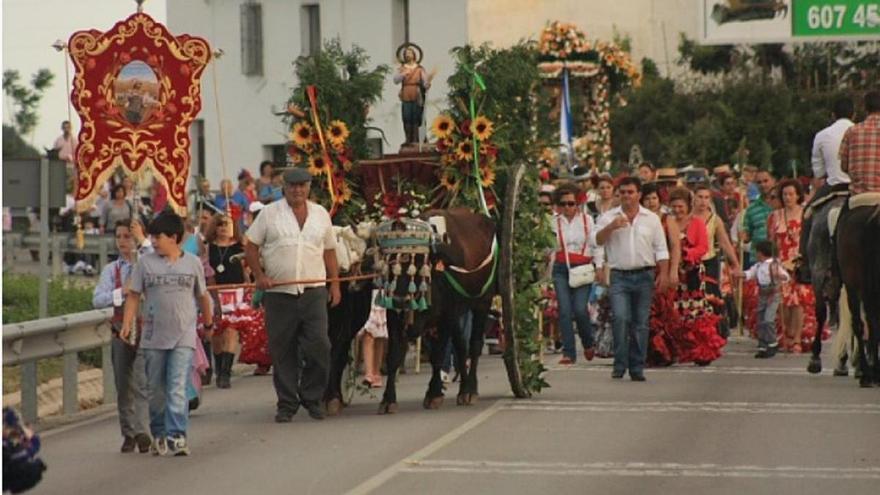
738, 426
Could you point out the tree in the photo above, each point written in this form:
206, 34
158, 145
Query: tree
26, 99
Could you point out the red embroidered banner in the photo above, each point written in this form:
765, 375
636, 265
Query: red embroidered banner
137, 90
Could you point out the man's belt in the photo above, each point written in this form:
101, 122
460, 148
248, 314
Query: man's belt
633, 270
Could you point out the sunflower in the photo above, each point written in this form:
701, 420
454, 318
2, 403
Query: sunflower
317, 166
487, 176
302, 134
443, 126
337, 133
449, 181
465, 151
482, 128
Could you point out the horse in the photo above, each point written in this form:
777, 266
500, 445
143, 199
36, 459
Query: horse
462, 280
858, 235
826, 286
343, 323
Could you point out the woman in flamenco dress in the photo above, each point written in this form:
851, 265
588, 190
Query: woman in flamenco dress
691, 336
797, 324
663, 312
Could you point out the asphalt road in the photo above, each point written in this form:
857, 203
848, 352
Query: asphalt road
738, 426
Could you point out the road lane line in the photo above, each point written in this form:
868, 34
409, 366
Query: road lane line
715, 370
694, 407
386, 474
638, 469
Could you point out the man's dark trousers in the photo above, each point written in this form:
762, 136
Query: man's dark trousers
297, 330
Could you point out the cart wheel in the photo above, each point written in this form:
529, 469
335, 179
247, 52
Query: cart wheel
507, 284
349, 375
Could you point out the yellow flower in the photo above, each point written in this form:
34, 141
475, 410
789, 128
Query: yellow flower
448, 181
317, 166
465, 151
487, 176
443, 126
337, 133
482, 128
302, 134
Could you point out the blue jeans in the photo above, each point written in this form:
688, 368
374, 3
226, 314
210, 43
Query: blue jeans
572, 308
167, 373
768, 304
630, 295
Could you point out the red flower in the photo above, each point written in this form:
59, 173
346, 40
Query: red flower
544, 175
465, 127
581, 198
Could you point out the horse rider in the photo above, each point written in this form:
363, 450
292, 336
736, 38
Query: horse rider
828, 178
860, 149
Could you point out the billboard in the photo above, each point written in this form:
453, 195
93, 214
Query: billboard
784, 21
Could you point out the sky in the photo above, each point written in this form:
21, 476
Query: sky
30, 27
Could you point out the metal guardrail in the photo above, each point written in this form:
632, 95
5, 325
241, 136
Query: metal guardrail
60, 243
28, 342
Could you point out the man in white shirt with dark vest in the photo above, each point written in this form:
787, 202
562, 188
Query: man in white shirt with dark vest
293, 240
635, 248
828, 177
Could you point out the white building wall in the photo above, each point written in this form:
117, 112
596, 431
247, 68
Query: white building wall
376, 25
246, 102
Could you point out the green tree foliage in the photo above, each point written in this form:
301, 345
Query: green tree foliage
346, 87
16, 147
512, 82
26, 99
771, 98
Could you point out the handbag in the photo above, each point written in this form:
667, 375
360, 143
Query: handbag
580, 275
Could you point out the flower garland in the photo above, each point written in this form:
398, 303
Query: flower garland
610, 69
305, 147
455, 145
564, 46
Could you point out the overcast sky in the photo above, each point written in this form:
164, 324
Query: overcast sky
31, 26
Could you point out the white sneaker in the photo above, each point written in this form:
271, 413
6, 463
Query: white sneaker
159, 447
177, 446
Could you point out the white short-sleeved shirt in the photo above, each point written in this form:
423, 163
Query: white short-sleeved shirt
638, 245
291, 253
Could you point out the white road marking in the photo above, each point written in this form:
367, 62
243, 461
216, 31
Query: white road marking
694, 407
632, 469
386, 474
711, 370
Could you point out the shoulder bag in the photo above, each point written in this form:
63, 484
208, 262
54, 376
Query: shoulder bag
580, 275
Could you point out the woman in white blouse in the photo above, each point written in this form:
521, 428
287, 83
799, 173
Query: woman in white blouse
573, 229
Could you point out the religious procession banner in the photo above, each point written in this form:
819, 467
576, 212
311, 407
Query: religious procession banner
137, 90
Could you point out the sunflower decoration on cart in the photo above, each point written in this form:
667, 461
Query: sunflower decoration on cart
328, 156
462, 164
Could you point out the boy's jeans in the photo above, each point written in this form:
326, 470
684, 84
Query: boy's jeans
167, 373
768, 303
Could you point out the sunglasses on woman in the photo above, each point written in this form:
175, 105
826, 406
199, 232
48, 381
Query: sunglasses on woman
567, 203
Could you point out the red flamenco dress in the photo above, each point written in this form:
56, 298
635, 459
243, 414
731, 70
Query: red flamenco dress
785, 234
684, 322
248, 321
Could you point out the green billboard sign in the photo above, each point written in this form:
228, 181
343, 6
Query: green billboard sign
838, 18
